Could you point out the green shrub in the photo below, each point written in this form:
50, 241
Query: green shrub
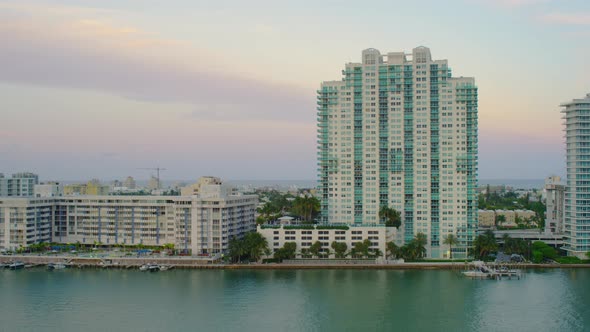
569, 260
299, 227
537, 256
270, 226
544, 249
341, 227
270, 260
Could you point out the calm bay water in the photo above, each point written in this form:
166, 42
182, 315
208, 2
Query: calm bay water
294, 300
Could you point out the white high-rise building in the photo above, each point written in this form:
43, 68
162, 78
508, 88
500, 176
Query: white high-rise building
20, 185
577, 191
398, 130
555, 195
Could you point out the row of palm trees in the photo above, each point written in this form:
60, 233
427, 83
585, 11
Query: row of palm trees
248, 249
416, 249
304, 206
254, 246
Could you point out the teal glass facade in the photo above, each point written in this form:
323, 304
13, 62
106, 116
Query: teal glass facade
577, 191
399, 131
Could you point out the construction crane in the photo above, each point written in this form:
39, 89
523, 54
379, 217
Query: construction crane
157, 169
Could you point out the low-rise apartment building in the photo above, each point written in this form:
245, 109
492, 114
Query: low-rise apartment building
48, 189
486, 218
305, 236
503, 218
93, 187
25, 221
201, 224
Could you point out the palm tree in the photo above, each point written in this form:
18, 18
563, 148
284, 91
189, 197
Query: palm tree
306, 207
315, 249
390, 216
236, 249
361, 249
421, 242
451, 240
339, 249
484, 244
393, 250
508, 245
500, 219
376, 253
255, 245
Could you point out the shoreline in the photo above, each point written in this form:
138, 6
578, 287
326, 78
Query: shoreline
195, 263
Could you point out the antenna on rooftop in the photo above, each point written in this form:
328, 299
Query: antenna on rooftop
157, 169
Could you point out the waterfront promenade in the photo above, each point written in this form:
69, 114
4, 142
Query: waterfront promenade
199, 263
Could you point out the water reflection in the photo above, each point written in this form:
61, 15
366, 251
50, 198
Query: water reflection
297, 300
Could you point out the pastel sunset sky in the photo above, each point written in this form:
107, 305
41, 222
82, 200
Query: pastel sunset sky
227, 88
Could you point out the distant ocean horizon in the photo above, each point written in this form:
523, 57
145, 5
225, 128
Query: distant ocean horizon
514, 183
307, 183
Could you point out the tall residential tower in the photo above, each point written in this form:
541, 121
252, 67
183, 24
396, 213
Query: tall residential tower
399, 130
577, 191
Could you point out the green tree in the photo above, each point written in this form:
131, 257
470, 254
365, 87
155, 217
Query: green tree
339, 249
500, 219
376, 253
514, 246
315, 249
236, 250
261, 220
288, 251
415, 249
537, 256
450, 240
421, 242
485, 244
361, 249
268, 212
307, 207
255, 245
393, 251
547, 251
507, 243
481, 201
390, 216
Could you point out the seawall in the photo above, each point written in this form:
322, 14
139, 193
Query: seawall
196, 263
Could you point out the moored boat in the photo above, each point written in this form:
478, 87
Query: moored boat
151, 267
56, 266
481, 271
16, 265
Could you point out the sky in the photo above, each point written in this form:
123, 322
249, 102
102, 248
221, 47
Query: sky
98, 89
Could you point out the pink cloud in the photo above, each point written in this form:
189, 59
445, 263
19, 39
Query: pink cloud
511, 3
566, 18
74, 51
